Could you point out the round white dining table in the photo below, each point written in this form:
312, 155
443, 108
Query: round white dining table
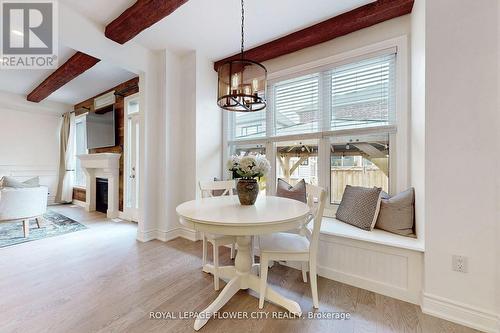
225, 215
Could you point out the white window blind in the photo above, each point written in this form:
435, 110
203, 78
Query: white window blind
353, 95
363, 93
357, 94
295, 105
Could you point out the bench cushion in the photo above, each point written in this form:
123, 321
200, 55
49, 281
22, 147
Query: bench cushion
336, 228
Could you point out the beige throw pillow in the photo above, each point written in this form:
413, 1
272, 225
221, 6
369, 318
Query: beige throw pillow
397, 213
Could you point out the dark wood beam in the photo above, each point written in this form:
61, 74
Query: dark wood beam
138, 17
354, 20
76, 65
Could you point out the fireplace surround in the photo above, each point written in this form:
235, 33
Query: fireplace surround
104, 166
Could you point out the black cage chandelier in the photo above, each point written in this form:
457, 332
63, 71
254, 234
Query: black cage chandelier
242, 82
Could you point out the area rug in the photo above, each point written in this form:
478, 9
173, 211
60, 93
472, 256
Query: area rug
55, 224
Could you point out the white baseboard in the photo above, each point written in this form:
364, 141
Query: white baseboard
460, 313
182, 232
189, 234
146, 236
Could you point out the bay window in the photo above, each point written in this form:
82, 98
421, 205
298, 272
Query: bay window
332, 123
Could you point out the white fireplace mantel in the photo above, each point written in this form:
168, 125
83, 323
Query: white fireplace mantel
104, 165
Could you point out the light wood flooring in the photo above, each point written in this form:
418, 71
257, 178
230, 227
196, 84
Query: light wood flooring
103, 280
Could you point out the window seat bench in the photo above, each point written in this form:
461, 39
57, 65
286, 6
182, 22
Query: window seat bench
377, 260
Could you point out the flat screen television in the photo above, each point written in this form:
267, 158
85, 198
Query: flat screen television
101, 128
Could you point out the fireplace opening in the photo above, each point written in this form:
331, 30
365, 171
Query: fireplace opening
101, 193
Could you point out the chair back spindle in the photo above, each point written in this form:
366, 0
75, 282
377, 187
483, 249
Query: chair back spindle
316, 200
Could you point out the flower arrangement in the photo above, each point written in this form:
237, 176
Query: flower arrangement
249, 166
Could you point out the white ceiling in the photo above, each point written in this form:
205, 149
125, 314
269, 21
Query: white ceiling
100, 11
213, 26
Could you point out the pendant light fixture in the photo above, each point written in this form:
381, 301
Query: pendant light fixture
242, 82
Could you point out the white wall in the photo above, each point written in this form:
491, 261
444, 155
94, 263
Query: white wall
191, 147
169, 175
208, 122
29, 139
188, 126
498, 176
461, 135
417, 115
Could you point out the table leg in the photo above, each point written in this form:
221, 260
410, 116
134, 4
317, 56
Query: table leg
241, 277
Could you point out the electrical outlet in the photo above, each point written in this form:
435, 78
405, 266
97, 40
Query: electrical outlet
459, 264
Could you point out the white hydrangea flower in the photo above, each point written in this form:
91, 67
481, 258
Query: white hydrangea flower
233, 162
249, 166
262, 165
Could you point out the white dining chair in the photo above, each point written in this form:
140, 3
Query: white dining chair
301, 247
212, 189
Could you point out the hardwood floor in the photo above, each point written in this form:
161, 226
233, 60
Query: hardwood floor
103, 280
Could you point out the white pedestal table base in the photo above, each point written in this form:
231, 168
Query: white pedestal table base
241, 276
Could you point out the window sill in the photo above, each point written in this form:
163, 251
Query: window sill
333, 227
80, 187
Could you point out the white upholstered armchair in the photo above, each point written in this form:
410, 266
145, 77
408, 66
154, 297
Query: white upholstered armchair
23, 204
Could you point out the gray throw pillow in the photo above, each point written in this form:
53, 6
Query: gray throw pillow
297, 192
397, 213
14, 183
359, 206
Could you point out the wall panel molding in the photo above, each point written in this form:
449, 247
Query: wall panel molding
48, 175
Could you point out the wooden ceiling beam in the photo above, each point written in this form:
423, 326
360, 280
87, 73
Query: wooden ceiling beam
76, 65
138, 17
354, 20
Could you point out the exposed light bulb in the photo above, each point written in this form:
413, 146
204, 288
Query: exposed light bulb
255, 85
235, 81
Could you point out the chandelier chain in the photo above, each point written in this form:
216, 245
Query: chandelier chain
242, 28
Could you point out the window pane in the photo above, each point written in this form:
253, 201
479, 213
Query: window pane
362, 93
247, 125
251, 150
358, 161
81, 148
296, 105
296, 161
